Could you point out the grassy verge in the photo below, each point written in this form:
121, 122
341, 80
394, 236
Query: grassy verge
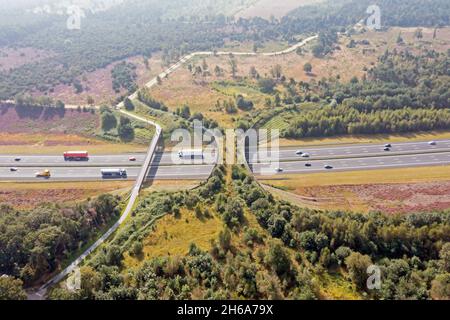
367, 139
403, 175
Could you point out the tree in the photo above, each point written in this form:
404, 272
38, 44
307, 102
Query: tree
125, 130
253, 73
357, 265
276, 71
109, 121
444, 254
225, 239
418, 34
11, 289
128, 104
233, 65
90, 282
60, 104
308, 68
218, 71
90, 101
440, 287
204, 65
266, 85
114, 256
278, 258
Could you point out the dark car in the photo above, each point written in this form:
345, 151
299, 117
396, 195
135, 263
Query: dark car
387, 149
328, 167
308, 165
388, 145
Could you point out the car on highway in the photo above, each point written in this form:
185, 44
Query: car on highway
388, 145
132, 158
387, 149
305, 155
299, 152
432, 143
13, 169
279, 170
17, 159
308, 165
43, 174
328, 167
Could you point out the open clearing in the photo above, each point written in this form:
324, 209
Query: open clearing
173, 236
52, 132
29, 195
391, 191
11, 58
98, 84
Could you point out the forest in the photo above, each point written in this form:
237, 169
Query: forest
142, 31
283, 259
33, 243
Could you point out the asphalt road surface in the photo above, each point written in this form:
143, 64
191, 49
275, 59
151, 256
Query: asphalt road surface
359, 151
353, 164
186, 172
120, 160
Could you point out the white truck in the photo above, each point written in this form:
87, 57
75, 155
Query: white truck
112, 173
191, 154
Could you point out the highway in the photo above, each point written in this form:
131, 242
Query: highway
117, 160
353, 164
359, 151
176, 172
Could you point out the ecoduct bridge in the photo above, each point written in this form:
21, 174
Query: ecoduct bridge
40, 294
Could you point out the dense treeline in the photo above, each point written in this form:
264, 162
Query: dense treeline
329, 121
343, 13
33, 243
413, 251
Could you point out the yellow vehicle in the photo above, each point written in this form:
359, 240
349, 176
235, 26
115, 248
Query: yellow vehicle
43, 174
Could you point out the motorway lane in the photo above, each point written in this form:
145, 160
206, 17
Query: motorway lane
184, 172
94, 161
369, 150
354, 164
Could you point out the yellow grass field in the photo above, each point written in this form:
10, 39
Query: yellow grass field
402, 175
173, 236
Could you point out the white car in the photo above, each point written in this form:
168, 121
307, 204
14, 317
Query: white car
305, 155
13, 169
432, 143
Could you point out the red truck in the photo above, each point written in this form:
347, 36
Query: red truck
76, 156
